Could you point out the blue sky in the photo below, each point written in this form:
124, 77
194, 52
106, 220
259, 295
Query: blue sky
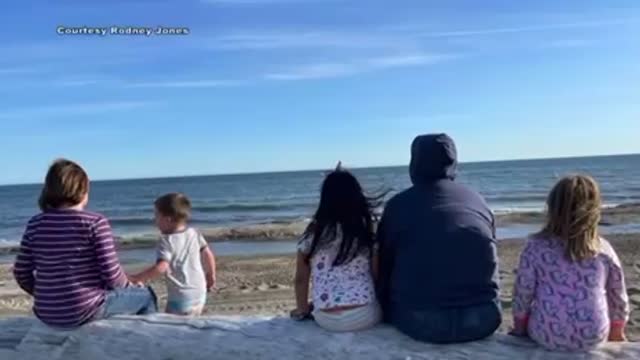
261, 85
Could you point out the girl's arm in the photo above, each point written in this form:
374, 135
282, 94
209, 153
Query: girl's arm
303, 274
617, 297
111, 270
524, 290
209, 266
23, 267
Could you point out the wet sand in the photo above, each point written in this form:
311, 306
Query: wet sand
624, 214
263, 284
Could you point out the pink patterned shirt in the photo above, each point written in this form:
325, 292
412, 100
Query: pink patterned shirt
349, 284
569, 305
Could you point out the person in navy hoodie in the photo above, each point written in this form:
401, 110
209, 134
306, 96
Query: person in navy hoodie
438, 277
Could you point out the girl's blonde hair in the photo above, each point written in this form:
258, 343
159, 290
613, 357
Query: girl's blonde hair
573, 214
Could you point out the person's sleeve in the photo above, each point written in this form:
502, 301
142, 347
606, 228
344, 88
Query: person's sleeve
617, 297
24, 267
110, 269
525, 284
202, 241
385, 264
163, 250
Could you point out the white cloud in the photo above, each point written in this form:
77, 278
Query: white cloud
407, 60
330, 70
187, 84
17, 71
531, 28
75, 83
314, 71
263, 2
568, 43
303, 39
384, 37
43, 81
73, 109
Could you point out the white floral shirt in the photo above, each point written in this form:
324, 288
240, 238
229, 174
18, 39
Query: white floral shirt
349, 284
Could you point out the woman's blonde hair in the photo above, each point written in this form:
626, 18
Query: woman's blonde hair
573, 214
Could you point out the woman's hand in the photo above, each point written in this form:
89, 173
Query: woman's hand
135, 280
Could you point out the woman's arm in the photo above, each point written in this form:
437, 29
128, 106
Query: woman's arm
112, 274
23, 267
303, 275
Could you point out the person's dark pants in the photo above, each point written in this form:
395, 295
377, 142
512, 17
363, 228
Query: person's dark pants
449, 325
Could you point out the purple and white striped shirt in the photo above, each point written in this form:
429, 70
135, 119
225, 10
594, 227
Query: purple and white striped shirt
67, 262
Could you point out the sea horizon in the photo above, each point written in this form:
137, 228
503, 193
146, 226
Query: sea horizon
280, 203
356, 168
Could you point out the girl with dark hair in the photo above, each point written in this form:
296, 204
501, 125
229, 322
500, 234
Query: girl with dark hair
337, 253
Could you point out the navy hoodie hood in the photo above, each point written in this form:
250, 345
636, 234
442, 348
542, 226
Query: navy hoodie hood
433, 157
439, 233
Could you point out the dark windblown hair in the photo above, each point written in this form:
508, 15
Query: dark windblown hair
343, 204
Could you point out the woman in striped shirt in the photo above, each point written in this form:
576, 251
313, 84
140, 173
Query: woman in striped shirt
67, 259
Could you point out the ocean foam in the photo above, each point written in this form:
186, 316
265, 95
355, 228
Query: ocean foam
5, 243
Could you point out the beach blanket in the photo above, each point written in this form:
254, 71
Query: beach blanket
165, 337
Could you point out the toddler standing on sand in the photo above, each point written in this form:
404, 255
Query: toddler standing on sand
569, 291
183, 255
67, 259
337, 252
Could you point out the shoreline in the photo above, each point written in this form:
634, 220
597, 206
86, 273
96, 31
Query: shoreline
623, 214
258, 233
620, 219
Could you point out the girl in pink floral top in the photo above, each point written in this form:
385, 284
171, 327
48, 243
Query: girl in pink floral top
570, 292
337, 253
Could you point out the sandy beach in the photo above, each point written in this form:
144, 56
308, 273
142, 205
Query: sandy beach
263, 284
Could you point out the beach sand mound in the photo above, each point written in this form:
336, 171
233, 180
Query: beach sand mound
165, 337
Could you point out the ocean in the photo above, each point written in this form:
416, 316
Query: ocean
237, 201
